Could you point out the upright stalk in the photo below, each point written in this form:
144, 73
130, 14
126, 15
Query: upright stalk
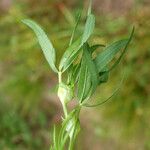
64, 105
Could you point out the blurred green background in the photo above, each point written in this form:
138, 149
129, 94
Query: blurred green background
29, 106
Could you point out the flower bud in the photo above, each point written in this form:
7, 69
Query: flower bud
65, 93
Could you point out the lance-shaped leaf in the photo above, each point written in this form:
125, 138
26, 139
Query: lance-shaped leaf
110, 52
90, 24
72, 52
82, 83
88, 90
123, 52
89, 28
70, 55
75, 28
88, 77
91, 66
45, 43
71, 68
67, 58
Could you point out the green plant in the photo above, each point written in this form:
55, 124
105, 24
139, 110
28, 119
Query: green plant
86, 70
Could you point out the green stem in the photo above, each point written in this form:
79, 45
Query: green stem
71, 144
65, 110
59, 77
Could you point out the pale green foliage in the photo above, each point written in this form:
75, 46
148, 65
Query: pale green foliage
44, 42
89, 27
70, 54
85, 74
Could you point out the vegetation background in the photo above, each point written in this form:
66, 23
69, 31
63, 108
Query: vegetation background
28, 103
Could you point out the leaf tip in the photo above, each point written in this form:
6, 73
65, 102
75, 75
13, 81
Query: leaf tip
90, 7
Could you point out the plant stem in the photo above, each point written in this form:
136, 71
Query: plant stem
59, 77
71, 144
65, 110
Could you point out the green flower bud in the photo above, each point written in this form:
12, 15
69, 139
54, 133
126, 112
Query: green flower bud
65, 93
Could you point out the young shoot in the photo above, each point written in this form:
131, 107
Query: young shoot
84, 74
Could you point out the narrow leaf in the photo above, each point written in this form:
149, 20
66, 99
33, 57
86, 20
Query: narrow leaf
89, 28
70, 70
84, 83
88, 89
44, 42
82, 80
123, 52
90, 7
109, 53
70, 54
91, 66
75, 28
